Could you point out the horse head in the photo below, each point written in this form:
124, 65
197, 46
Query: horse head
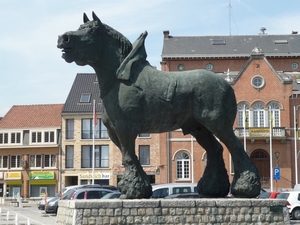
86, 45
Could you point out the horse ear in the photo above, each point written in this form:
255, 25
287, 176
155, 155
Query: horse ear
95, 17
85, 18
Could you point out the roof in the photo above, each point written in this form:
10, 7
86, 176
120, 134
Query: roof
84, 83
230, 46
32, 116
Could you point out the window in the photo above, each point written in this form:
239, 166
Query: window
49, 136
85, 98
15, 161
218, 42
87, 129
258, 82
101, 158
183, 166
144, 135
101, 130
180, 67
144, 153
276, 115
258, 115
294, 65
209, 66
36, 137
50, 161
3, 138
70, 129
3, 162
35, 160
69, 156
15, 138
243, 115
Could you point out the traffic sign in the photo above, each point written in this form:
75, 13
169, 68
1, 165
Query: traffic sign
276, 173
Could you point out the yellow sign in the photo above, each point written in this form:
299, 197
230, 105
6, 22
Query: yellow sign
259, 132
12, 176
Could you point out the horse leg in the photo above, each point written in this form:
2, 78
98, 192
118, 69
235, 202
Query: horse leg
246, 181
134, 183
215, 181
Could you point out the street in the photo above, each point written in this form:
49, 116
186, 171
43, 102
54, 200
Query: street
29, 214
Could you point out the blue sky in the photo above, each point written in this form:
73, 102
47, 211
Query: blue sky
33, 72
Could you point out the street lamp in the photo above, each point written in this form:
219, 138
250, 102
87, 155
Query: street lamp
277, 156
295, 135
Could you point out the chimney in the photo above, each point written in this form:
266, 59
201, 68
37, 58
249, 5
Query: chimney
166, 34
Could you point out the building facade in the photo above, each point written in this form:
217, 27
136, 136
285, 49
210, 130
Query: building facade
83, 138
29, 150
264, 73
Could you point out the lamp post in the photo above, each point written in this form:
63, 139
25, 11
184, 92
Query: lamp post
276, 181
295, 136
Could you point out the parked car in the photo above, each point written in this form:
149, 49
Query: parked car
41, 204
293, 203
184, 195
77, 193
269, 194
163, 190
112, 195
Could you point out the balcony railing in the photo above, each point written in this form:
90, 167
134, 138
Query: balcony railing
260, 132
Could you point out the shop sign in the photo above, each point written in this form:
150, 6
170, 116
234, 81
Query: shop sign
1, 175
43, 175
12, 175
96, 176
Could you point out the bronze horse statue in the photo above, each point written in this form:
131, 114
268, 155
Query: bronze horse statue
138, 98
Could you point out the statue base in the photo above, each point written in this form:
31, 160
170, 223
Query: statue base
173, 211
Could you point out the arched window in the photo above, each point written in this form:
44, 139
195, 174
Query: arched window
183, 165
258, 115
243, 115
275, 113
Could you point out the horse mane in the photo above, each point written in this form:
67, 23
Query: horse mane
124, 45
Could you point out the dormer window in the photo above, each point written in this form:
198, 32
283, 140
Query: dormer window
85, 98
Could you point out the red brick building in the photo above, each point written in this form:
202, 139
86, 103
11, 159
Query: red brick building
264, 72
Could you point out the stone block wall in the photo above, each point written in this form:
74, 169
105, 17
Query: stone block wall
173, 211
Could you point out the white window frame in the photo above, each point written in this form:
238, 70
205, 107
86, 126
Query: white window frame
183, 160
50, 159
18, 161
33, 161
3, 161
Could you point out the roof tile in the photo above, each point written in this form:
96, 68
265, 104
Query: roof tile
31, 116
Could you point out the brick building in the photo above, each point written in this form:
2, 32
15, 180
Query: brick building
264, 73
29, 150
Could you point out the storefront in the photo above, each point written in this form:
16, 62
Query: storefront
13, 181
42, 183
99, 178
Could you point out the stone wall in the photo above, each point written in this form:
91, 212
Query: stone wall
173, 211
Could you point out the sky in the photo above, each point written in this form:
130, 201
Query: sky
33, 72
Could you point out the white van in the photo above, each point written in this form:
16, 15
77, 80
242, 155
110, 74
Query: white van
163, 190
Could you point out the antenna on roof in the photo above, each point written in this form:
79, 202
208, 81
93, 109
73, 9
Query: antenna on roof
229, 7
263, 29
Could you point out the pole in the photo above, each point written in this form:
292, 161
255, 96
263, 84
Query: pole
295, 134
192, 158
93, 155
271, 151
245, 125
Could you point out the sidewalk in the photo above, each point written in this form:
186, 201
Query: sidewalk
29, 214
